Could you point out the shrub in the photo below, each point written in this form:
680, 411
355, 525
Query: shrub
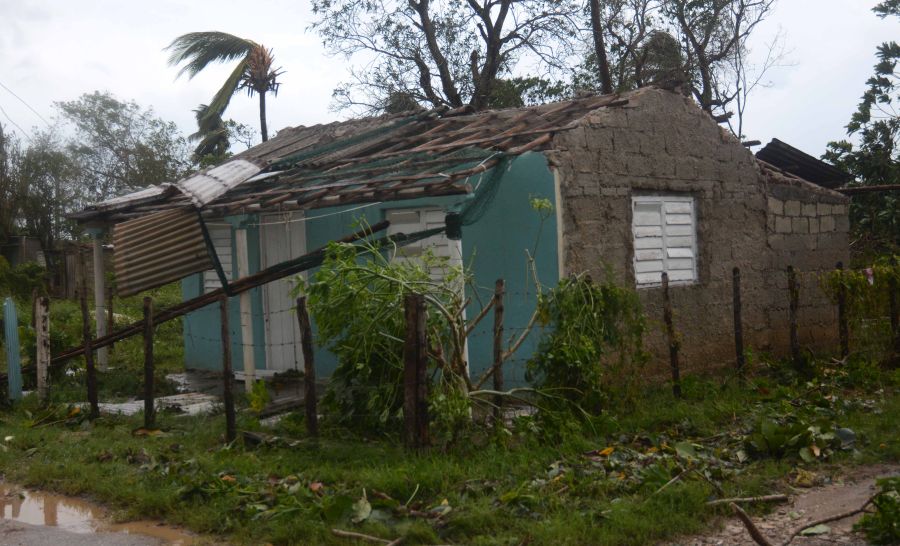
593, 342
883, 526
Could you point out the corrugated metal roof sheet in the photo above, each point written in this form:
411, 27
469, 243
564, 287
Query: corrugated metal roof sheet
208, 185
799, 163
157, 249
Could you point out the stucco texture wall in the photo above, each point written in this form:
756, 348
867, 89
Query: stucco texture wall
661, 143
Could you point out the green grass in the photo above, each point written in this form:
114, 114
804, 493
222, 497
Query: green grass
500, 488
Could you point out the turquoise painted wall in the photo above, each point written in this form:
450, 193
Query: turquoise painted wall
495, 247
202, 328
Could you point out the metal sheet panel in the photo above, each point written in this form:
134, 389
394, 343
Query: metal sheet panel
205, 186
158, 249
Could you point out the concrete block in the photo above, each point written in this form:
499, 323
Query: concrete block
842, 223
782, 224
809, 209
823, 209
776, 206
814, 225
792, 208
800, 225
839, 209
826, 223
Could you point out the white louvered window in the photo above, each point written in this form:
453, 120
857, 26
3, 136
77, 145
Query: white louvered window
414, 220
665, 239
220, 234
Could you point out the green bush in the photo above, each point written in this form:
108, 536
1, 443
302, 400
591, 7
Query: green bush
883, 526
592, 347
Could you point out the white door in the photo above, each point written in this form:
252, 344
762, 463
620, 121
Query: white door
281, 237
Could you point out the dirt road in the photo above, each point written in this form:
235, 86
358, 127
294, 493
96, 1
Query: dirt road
845, 493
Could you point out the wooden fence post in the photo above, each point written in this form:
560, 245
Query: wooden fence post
309, 368
90, 370
149, 407
110, 315
415, 414
673, 340
13, 358
893, 287
794, 295
42, 342
738, 320
227, 373
843, 327
499, 292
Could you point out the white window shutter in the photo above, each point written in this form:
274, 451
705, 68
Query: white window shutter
665, 239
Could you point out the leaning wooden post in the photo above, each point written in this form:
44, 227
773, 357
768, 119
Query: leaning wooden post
794, 294
42, 343
13, 358
89, 356
738, 321
415, 418
673, 340
149, 408
227, 373
843, 327
309, 368
499, 292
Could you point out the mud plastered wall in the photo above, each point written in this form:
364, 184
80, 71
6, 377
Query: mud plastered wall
662, 144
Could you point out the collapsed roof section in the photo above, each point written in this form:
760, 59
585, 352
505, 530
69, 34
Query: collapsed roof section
374, 159
800, 164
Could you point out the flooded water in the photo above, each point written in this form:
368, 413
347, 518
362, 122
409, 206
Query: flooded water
78, 516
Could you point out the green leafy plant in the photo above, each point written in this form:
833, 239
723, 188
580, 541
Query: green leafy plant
592, 344
358, 306
883, 526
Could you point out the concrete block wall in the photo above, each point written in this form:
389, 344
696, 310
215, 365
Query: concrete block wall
661, 143
807, 228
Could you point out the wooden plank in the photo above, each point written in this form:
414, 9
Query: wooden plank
309, 368
91, 371
227, 373
149, 408
673, 339
499, 293
414, 359
738, 321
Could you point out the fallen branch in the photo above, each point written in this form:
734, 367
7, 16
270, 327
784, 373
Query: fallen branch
764, 498
369, 538
754, 531
829, 519
670, 482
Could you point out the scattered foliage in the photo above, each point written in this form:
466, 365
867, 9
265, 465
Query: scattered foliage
883, 526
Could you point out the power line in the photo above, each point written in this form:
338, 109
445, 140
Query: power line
16, 125
26, 104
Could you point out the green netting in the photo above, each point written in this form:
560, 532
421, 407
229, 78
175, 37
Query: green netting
485, 192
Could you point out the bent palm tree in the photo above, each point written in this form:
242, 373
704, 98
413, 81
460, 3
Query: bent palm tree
253, 72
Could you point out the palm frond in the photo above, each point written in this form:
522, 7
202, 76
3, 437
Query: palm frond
220, 101
199, 49
208, 122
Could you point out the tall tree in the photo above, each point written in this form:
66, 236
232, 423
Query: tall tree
441, 53
253, 73
712, 32
119, 147
875, 158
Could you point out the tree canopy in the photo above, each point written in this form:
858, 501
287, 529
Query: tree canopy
873, 156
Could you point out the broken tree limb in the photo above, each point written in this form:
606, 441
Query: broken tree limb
764, 498
360, 536
829, 519
754, 531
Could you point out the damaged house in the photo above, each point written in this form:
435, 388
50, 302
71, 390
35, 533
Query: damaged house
642, 183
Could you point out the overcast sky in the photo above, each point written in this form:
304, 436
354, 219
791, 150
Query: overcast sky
55, 50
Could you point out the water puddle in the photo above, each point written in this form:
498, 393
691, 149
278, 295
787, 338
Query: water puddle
78, 516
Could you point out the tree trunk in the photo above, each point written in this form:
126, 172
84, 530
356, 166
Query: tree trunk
600, 48
262, 117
